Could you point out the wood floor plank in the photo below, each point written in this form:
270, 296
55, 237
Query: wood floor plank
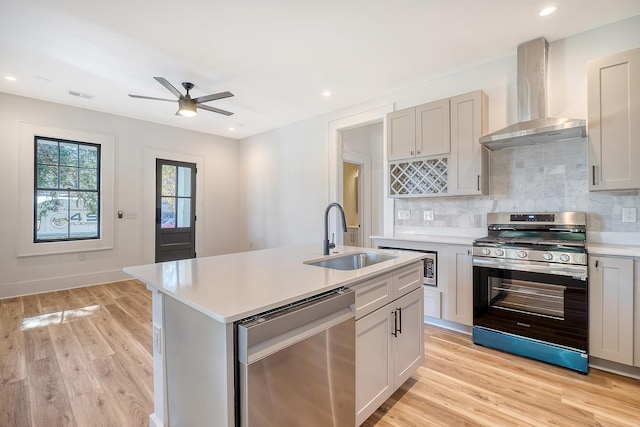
50, 404
138, 331
14, 404
101, 295
93, 343
31, 306
128, 399
37, 345
10, 315
96, 410
13, 366
79, 375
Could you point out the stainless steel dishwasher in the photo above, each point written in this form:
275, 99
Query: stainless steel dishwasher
296, 364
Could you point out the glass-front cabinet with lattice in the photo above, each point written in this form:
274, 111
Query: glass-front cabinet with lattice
459, 167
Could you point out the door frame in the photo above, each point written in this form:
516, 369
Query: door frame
364, 194
336, 156
149, 201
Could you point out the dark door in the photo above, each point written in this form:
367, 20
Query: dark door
175, 210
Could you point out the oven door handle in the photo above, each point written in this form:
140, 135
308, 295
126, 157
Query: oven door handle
576, 272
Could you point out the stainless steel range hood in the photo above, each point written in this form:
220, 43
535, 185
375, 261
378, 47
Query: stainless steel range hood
534, 127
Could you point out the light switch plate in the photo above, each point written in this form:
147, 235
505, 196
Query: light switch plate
629, 214
404, 214
427, 215
157, 338
130, 215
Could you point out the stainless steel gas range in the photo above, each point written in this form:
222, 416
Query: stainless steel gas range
530, 282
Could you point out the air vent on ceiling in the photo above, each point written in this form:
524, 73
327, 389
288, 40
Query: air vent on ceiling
80, 94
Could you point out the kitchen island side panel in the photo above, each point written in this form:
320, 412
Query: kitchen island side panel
199, 367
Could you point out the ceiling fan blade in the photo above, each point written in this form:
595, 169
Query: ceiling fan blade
169, 86
151, 97
213, 97
215, 110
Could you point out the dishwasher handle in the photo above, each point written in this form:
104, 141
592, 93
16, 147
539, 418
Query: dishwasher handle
265, 334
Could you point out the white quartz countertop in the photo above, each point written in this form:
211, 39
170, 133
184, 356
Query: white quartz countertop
614, 250
428, 238
234, 286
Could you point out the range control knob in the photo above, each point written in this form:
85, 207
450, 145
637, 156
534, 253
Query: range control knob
499, 252
522, 254
547, 256
486, 251
564, 257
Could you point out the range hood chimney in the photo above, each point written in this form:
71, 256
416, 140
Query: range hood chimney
534, 127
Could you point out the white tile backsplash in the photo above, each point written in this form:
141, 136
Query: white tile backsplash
546, 177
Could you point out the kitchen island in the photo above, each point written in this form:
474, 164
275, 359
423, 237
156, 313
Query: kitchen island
197, 301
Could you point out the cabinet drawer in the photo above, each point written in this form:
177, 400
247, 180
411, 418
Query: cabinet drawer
432, 303
408, 279
373, 294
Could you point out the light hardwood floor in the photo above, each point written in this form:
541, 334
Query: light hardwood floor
82, 357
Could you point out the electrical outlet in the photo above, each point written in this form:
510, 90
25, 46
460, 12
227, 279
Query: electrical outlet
629, 214
157, 338
427, 215
82, 256
404, 214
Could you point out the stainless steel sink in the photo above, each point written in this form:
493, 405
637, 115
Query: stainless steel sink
352, 261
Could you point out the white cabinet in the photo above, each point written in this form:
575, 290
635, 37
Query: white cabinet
432, 302
469, 164
458, 288
419, 131
613, 90
352, 237
441, 156
389, 339
611, 311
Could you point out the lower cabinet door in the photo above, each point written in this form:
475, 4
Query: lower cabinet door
409, 343
374, 361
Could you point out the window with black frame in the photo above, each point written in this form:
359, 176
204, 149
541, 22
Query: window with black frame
66, 190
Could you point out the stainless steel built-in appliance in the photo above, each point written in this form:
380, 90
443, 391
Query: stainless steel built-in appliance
530, 287
296, 364
430, 261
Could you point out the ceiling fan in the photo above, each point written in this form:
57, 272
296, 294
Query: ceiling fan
188, 106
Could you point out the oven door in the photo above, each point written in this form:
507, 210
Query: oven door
543, 306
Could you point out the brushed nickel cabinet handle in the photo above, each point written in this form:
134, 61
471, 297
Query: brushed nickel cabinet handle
593, 174
478, 182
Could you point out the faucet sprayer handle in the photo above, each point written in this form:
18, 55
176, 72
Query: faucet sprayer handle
332, 245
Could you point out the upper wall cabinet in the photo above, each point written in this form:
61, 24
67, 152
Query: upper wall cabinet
469, 159
433, 148
614, 127
419, 131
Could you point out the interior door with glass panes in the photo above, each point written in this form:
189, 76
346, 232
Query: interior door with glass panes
175, 210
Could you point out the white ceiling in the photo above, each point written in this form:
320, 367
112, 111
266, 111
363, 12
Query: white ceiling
276, 56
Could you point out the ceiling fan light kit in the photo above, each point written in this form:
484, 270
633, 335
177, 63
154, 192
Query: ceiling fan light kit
188, 106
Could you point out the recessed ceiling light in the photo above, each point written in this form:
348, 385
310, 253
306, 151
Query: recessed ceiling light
547, 11
232, 129
10, 78
326, 93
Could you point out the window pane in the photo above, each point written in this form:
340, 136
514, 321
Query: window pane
68, 154
168, 213
51, 215
168, 180
88, 156
184, 182
68, 177
84, 206
88, 179
47, 176
47, 152
184, 212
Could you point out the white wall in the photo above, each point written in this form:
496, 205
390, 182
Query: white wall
218, 226
286, 199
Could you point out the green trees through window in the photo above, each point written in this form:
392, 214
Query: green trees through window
66, 190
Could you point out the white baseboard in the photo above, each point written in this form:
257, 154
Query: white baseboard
154, 421
50, 284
